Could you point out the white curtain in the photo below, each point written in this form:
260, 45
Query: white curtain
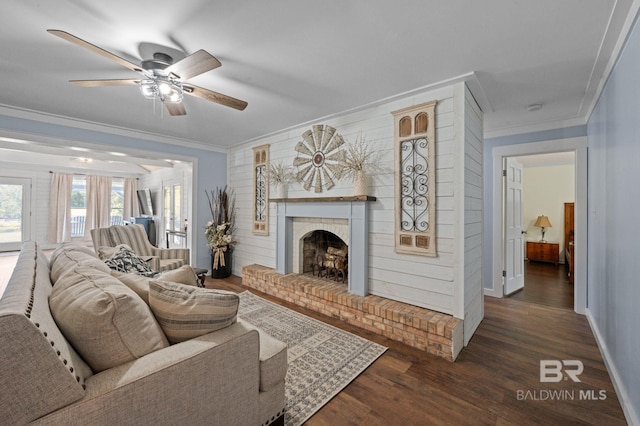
131, 206
60, 208
98, 204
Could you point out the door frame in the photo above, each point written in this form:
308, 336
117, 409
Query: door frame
579, 146
183, 213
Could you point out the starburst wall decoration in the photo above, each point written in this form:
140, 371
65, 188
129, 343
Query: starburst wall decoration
319, 158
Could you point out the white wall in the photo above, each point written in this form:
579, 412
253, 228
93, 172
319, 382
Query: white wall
429, 282
545, 190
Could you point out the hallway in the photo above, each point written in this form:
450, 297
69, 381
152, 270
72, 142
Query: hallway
546, 284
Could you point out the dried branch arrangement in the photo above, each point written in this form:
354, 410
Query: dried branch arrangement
361, 158
222, 203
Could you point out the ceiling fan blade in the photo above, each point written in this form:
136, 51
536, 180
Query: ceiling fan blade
193, 65
175, 109
212, 96
100, 51
106, 82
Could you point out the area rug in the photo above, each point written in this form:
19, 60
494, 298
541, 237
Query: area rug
322, 359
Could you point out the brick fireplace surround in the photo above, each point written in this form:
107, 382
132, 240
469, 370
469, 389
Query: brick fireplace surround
436, 333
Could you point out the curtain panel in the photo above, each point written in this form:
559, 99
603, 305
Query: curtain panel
98, 204
131, 206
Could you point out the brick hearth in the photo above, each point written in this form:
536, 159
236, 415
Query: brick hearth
434, 332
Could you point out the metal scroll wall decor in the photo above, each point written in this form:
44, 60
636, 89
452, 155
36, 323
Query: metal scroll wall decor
260, 190
319, 157
415, 182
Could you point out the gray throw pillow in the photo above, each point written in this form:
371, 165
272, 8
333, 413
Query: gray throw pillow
185, 312
140, 284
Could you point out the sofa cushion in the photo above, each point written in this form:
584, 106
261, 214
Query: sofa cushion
125, 260
140, 284
168, 264
69, 255
273, 359
185, 312
104, 320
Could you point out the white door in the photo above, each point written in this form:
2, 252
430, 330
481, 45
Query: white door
15, 212
513, 242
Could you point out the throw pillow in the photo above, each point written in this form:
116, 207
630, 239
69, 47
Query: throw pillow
125, 260
69, 256
104, 320
105, 252
185, 312
183, 275
140, 284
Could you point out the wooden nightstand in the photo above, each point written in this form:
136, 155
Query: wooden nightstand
543, 252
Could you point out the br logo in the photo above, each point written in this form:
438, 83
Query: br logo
553, 370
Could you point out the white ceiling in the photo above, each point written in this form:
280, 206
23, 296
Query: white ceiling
297, 61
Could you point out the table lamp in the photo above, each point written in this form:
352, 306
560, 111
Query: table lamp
542, 222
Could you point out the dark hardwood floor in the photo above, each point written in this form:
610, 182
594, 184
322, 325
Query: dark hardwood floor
494, 381
546, 284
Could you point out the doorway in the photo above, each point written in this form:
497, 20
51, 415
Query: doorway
15, 212
546, 187
577, 145
172, 212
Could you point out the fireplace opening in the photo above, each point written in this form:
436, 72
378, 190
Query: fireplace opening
325, 255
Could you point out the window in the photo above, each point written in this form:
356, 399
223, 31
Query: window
117, 201
415, 182
79, 204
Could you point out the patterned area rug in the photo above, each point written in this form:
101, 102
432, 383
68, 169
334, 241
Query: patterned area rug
322, 359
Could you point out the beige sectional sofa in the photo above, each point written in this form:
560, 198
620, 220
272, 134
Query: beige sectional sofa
233, 376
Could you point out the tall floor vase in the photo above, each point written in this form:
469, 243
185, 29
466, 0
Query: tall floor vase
222, 271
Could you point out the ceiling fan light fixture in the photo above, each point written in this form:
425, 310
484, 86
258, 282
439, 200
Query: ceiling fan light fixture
162, 88
149, 89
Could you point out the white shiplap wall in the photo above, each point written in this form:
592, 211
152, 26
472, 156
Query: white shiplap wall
423, 281
473, 182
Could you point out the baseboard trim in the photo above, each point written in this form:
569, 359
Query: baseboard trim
623, 397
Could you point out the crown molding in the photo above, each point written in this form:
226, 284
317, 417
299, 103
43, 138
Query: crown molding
26, 114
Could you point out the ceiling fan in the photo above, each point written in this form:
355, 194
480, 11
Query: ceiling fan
162, 78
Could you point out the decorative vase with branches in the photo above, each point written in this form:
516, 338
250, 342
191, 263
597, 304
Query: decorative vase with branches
280, 175
360, 160
219, 230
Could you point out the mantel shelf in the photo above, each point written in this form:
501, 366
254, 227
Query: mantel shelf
323, 199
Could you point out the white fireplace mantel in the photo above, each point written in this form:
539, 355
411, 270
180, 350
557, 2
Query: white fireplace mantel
355, 209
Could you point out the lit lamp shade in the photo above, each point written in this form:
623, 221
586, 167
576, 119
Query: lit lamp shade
542, 222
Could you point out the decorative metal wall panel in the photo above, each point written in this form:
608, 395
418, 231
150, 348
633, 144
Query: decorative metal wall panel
415, 184
261, 193
260, 190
